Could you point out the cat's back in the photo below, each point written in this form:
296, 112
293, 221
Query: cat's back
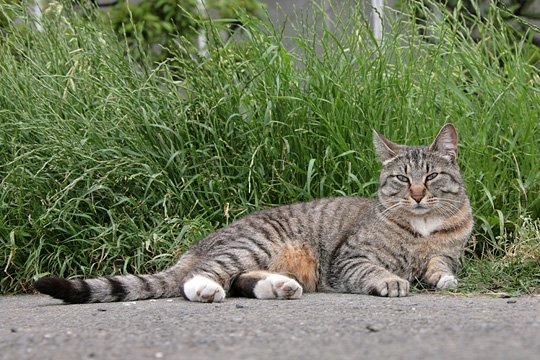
321, 215
313, 223
317, 223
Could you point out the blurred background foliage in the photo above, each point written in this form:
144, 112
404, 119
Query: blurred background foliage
156, 26
153, 27
519, 14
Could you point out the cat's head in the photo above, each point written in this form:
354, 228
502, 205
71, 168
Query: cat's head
421, 180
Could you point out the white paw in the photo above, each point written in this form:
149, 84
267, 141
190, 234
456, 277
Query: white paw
203, 289
277, 286
447, 282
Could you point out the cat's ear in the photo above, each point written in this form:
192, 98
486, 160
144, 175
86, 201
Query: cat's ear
385, 148
446, 142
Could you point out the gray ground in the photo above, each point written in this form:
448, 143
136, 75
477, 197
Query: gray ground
319, 326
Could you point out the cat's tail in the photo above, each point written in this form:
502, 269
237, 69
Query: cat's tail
117, 288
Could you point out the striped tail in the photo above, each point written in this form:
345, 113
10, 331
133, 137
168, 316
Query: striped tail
114, 288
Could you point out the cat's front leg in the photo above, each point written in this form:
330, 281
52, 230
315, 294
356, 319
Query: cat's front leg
364, 277
389, 285
440, 274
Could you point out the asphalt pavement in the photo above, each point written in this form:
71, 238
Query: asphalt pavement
318, 326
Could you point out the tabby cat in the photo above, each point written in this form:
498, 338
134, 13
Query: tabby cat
415, 229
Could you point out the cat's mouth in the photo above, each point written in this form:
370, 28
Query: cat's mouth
419, 208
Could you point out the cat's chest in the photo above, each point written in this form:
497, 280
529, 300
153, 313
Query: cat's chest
426, 225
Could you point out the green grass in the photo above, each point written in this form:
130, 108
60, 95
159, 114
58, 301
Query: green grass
512, 269
108, 167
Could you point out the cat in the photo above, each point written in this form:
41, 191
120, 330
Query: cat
415, 229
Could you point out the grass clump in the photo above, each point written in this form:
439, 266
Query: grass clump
110, 166
516, 272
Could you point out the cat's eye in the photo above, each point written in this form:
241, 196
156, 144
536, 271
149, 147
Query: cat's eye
431, 176
402, 178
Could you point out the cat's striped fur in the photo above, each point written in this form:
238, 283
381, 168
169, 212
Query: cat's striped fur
416, 228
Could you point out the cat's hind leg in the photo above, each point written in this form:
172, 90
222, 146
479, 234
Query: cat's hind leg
203, 289
265, 285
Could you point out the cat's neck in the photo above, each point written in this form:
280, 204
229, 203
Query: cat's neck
426, 225
430, 223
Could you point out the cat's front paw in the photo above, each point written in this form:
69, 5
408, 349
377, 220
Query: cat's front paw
391, 287
447, 282
203, 289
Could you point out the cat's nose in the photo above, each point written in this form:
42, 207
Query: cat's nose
418, 193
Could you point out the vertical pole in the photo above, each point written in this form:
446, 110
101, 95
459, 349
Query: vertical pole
327, 20
35, 10
201, 37
377, 10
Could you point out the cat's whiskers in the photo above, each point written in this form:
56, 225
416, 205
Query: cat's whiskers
438, 200
384, 214
448, 209
451, 204
451, 200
